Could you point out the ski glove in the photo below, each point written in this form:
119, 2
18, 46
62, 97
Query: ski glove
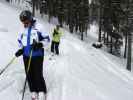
19, 53
37, 45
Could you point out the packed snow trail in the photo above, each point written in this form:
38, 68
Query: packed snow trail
80, 72
92, 68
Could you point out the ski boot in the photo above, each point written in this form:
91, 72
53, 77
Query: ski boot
41, 96
34, 96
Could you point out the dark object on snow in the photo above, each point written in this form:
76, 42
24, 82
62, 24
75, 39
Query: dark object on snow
97, 45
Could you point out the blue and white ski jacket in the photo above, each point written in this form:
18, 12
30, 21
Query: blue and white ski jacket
26, 37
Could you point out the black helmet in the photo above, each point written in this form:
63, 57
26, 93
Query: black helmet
26, 15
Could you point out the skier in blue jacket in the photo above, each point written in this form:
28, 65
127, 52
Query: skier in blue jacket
32, 39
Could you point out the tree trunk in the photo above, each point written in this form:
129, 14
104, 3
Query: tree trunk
111, 45
99, 36
82, 36
33, 7
125, 51
129, 56
8, 0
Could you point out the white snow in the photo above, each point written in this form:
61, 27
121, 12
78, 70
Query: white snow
81, 72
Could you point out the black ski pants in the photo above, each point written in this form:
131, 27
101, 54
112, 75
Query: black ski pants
55, 47
35, 78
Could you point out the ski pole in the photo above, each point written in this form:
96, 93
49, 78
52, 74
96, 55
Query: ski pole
27, 75
11, 61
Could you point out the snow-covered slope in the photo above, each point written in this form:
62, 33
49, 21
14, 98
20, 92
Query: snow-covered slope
79, 73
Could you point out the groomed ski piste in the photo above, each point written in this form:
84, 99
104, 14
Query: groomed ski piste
80, 72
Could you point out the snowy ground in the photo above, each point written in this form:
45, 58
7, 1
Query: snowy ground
79, 73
